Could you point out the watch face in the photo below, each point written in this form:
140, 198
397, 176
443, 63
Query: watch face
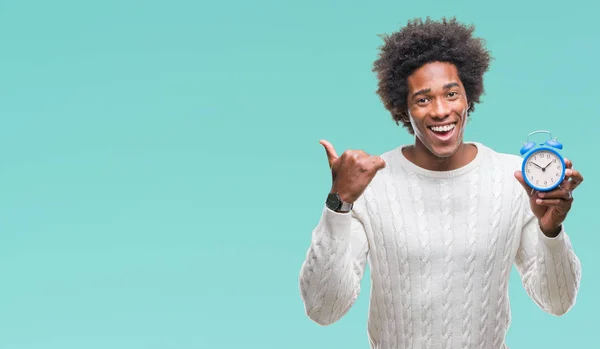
544, 170
333, 202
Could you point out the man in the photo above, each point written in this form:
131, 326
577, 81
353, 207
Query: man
440, 221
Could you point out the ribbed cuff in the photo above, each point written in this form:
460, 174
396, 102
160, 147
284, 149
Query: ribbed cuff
335, 225
552, 242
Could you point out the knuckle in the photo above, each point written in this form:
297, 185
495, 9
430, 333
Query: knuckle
355, 154
363, 165
349, 155
362, 154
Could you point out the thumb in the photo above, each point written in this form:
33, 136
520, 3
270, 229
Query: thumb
519, 177
330, 150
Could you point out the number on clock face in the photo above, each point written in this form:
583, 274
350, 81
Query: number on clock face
543, 169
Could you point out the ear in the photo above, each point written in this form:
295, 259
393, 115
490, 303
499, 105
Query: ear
400, 116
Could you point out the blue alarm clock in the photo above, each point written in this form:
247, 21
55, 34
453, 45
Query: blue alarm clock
543, 167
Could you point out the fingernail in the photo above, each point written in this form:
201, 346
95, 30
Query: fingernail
538, 201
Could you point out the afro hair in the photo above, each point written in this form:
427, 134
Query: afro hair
421, 42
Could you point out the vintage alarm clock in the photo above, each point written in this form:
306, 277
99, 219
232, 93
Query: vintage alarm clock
543, 167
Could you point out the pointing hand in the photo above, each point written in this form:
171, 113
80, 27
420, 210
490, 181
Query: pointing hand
352, 171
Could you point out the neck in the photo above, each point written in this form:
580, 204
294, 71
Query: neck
421, 156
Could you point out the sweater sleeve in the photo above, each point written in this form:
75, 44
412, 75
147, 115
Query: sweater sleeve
330, 275
549, 268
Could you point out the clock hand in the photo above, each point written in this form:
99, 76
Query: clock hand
548, 165
537, 165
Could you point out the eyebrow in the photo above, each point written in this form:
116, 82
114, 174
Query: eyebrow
427, 90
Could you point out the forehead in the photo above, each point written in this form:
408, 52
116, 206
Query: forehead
433, 76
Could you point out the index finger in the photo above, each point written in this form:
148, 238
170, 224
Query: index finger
378, 161
574, 177
568, 163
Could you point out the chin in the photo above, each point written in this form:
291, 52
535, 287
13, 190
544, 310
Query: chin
443, 145
444, 152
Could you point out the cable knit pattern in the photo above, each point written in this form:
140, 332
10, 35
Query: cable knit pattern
470, 252
440, 247
404, 323
502, 299
395, 194
495, 215
545, 285
562, 284
424, 258
382, 260
447, 267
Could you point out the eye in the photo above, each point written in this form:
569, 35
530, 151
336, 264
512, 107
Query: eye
421, 100
453, 94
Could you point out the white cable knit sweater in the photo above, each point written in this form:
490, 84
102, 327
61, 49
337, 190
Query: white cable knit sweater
440, 246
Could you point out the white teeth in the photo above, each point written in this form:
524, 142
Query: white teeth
444, 128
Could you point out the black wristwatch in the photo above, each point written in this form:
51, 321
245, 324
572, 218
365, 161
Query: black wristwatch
336, 204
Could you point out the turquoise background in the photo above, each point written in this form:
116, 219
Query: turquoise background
161, 171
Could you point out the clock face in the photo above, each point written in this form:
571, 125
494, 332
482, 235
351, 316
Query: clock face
544, 169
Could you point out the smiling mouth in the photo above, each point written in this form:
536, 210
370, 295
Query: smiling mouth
443, 130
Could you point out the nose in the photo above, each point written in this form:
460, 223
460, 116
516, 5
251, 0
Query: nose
440, 109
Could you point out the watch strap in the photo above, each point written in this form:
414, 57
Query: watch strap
345, 206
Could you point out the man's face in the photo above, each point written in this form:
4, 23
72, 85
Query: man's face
437, 106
